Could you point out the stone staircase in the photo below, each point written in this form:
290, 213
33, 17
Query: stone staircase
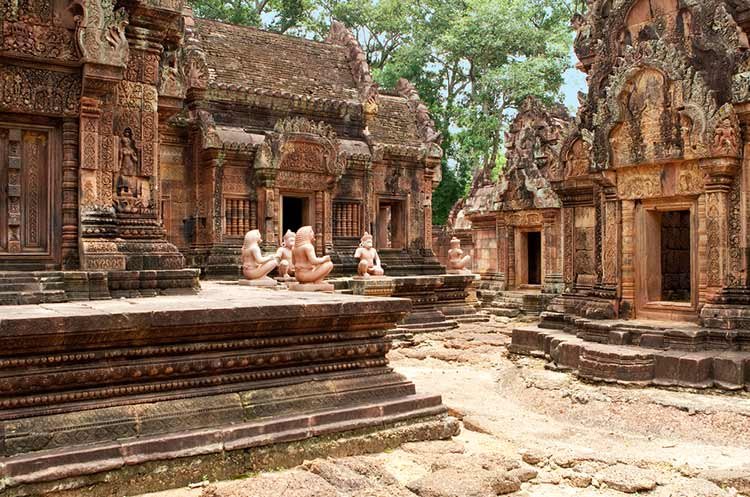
512, 304
640, 352
18, 288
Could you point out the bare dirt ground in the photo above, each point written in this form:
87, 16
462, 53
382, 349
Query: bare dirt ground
531, 431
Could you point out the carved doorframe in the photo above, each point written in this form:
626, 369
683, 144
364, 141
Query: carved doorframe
51, 257
645, 307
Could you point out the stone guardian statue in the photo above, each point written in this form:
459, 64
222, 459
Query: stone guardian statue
457, 261
284, 255
369, 261
255, 267
309, 269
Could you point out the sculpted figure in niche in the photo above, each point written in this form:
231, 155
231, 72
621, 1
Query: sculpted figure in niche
284, 255
369, 261
127, 182
725, 139
255, 267
309, 268
457, 261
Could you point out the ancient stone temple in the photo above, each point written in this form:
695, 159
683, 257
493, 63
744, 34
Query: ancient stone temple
278, 133
516, 222
137, 141
81, 104
656, 174
134, 137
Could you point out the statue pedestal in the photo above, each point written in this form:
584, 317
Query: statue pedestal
310, 287
264, 282
459, 271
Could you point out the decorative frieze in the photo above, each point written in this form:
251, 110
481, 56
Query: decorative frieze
39, 91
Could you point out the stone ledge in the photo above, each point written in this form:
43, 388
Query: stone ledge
634, 365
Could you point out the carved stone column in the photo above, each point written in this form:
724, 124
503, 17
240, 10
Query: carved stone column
627, 286
568, 215
327, 219
70, 259
502, 251
610, 237
273, 208
715, 264
427, 212
510, 258
553, 278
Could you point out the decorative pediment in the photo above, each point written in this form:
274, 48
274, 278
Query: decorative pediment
368, 89
533, 157
303, 147
425, 124
657, 108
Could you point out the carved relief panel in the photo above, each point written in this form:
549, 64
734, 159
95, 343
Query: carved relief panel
37, 29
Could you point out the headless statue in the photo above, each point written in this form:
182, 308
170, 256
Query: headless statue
284, 255
369, 261
309, 268
457, 261
254, 265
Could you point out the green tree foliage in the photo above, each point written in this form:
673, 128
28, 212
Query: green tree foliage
276, 15
473, 62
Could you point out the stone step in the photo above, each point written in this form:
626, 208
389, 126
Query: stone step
506, 312
19, 287
476, 318
634, 365
14, 297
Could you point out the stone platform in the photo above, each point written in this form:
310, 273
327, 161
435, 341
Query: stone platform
640, 352
512, 304
43, 287
96, 392
439, 302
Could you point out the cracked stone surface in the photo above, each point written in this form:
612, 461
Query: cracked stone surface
531, 431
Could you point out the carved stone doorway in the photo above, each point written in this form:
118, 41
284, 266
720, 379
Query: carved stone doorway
30, 199
295, 213
666, 256
391, 224
529, 258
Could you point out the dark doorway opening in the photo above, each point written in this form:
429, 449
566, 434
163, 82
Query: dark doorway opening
675, 256
391, 225
293, 213
534, 257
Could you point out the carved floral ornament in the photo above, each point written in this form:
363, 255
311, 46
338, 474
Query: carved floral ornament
100, 32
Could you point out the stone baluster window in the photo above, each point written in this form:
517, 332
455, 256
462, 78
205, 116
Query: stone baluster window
347, 219
240, 216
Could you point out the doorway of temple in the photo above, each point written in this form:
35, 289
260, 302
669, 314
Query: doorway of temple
528, 258
295, 213
534, 257
666, 250
29, 203
391, 224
